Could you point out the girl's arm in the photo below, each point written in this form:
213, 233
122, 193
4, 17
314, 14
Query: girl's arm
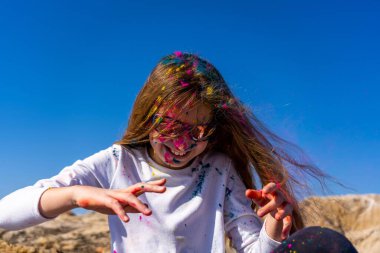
272, 202
84, 184
242, 224
21, 209
55, 201
30, 206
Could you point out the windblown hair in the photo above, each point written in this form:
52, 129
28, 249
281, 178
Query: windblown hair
256, 152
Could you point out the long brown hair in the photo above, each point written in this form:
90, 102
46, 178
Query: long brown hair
256, 152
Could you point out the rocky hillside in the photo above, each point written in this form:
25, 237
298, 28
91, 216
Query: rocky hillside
356, 216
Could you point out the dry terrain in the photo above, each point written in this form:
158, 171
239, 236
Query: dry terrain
356, 216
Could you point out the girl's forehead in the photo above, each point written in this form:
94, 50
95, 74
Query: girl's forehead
200, 113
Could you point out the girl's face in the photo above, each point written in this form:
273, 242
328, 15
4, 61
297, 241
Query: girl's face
177, 152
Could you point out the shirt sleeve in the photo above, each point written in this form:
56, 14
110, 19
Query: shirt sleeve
242, 225
19, 209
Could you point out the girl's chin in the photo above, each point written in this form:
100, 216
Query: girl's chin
174, 160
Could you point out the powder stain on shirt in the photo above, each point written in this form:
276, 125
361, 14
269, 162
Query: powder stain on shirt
228, 192
219, 172
201, 178
116, 153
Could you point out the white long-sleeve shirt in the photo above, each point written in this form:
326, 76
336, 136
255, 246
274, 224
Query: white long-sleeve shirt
202, 202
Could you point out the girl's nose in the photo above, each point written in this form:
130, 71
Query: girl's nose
182, 143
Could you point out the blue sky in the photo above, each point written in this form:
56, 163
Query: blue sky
70, 70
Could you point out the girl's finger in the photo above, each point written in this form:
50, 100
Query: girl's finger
139, 206
117, 208
253, 194
286, 227
161, 182
140, 188
130, 209
256, 197
283, 211
272, 205
269, 188
131, 200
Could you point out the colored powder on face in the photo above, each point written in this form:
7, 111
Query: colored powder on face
180, 143
161, 139
167, 157
170, 114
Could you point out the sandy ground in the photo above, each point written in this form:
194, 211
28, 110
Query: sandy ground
356, 216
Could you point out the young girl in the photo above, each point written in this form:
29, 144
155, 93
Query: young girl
181, 178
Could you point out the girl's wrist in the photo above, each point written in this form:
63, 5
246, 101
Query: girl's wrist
74, 196
273, 227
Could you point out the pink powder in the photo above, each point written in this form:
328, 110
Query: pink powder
184, 84
179, 143
167, 157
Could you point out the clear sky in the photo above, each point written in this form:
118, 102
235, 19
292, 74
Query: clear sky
70, 71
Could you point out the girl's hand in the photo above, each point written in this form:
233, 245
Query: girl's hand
271, 200
117, 201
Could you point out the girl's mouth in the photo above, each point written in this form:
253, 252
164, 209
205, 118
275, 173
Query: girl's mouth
177, 154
